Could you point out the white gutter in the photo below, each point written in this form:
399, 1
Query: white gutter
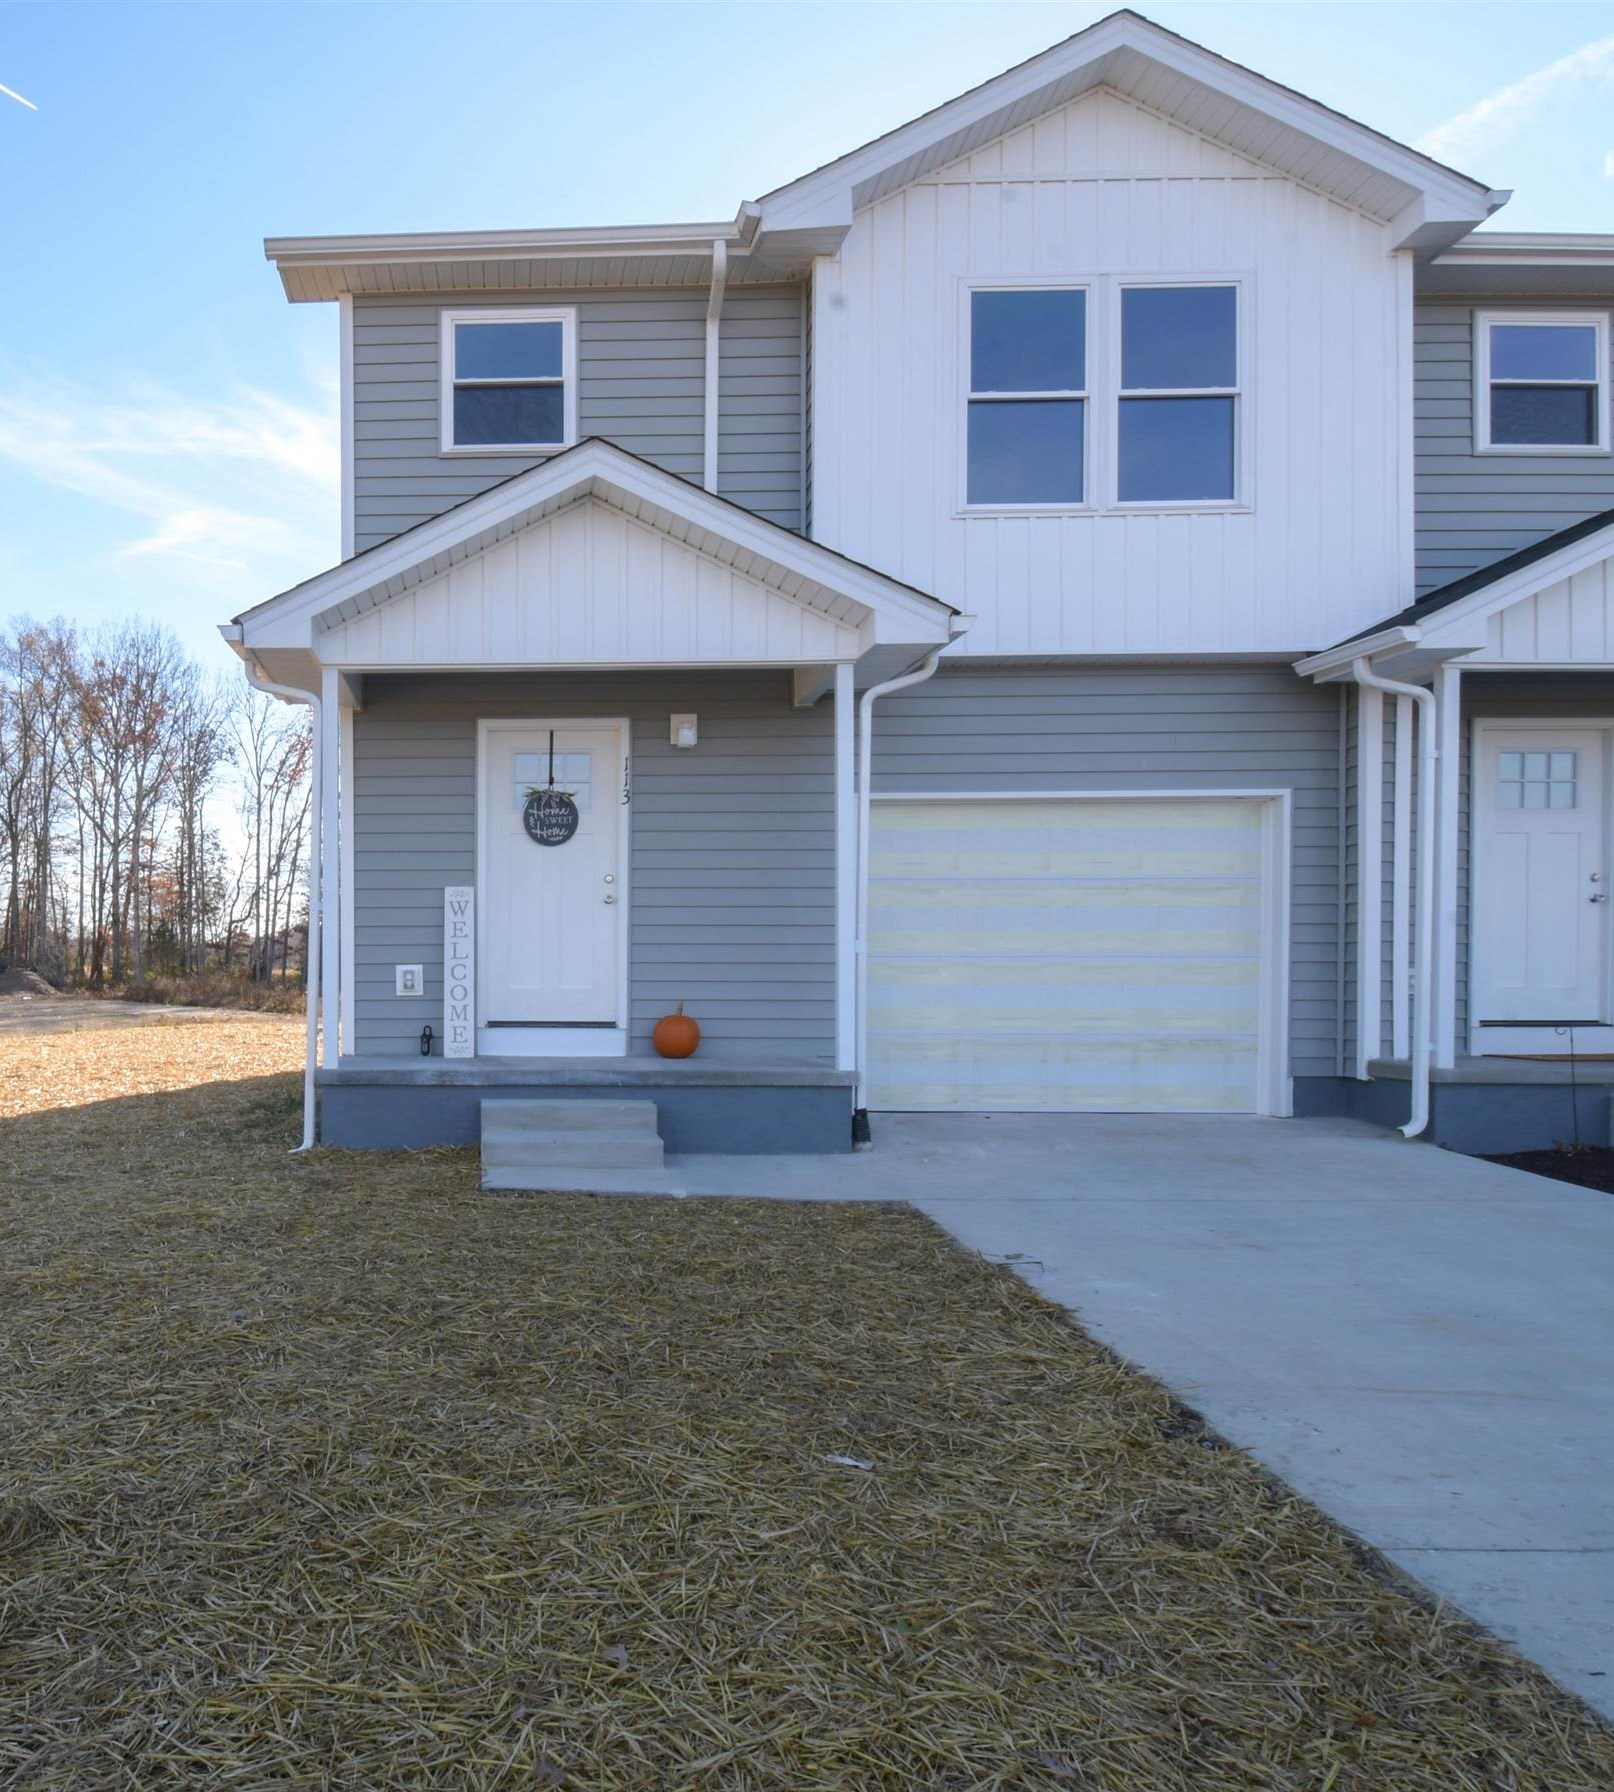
291, 694
1424, 895
860, 1116
714, 345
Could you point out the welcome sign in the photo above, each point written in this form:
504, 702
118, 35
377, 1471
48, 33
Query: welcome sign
459, 971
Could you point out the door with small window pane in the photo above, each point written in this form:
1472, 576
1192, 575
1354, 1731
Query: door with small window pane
1541, 876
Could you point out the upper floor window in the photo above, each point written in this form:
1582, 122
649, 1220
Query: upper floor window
509, 380
1027, 421
1114, 393
1178, 397
1541, 382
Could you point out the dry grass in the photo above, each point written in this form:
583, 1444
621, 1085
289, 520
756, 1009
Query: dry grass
335, 1473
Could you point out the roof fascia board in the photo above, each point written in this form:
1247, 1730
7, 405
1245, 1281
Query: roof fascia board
300, 608
1444, 192
288, 252
1335, 662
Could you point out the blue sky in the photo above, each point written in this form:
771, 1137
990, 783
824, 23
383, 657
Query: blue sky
168, 421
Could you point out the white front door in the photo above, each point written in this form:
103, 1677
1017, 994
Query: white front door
1541, 876
551, 915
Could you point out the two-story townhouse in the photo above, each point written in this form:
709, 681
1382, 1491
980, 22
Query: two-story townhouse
987, 628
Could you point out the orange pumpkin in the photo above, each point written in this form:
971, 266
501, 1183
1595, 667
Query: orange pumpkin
676, 1035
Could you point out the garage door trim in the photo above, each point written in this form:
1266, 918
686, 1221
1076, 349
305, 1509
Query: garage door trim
1274, 1089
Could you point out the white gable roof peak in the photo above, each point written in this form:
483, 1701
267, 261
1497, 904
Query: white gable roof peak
1430, 206
774, 566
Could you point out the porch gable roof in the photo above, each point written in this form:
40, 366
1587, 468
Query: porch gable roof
1551, 603
843, 608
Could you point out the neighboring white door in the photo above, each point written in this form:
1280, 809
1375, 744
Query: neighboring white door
551, 943
1540, 876
1066, 955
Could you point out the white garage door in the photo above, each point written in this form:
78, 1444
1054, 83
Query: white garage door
1066, 955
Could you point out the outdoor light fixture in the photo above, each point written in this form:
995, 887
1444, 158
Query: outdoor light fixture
683, 731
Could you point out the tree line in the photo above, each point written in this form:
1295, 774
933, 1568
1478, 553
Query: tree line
153, 817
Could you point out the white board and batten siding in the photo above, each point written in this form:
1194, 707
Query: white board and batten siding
1319, 547
1569, 623
590, 586
1071, 954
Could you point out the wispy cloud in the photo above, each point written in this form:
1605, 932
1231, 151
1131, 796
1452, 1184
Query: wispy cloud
246, 482
1477, 128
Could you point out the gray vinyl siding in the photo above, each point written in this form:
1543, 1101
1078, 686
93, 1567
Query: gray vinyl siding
759, 392
807, 413
1473, 509
974, 727
641, 384
731, 891
1350, 881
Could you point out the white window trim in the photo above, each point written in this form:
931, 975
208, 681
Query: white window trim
1102, 396
565, 316
1594, 320
1237, 392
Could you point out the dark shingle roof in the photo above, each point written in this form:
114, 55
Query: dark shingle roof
1443, 595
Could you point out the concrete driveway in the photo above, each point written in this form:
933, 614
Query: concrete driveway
1421, 1343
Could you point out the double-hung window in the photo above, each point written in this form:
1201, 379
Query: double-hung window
1541, 382
1177, 411
1027, 406
509, 382
1108, 395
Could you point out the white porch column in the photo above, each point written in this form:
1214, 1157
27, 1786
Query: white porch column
1369, 876
1448, 746
846, 873
326, 835
1401, 885
347, 1008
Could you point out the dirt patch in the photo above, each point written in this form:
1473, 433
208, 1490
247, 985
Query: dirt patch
332, 1471
1591, 1166
18, 982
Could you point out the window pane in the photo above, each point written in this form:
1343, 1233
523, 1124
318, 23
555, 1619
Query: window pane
1562, 415
1028, 341
1510, 765
507, 351
1543, 352
1027, 452
573, 772
1535, 765
1563, 765
484, 414
1176, 448
1179, 336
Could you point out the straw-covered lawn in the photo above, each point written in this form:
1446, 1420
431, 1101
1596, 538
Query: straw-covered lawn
337, 1473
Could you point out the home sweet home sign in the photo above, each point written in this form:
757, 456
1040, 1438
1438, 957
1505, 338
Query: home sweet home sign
459, 971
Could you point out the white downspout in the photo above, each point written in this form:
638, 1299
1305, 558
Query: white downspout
865, 740
316, 904
1424, 892
714, 347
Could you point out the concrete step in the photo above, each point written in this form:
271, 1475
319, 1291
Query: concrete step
608, 1147
606, 1150
582, 1179
560, 1115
